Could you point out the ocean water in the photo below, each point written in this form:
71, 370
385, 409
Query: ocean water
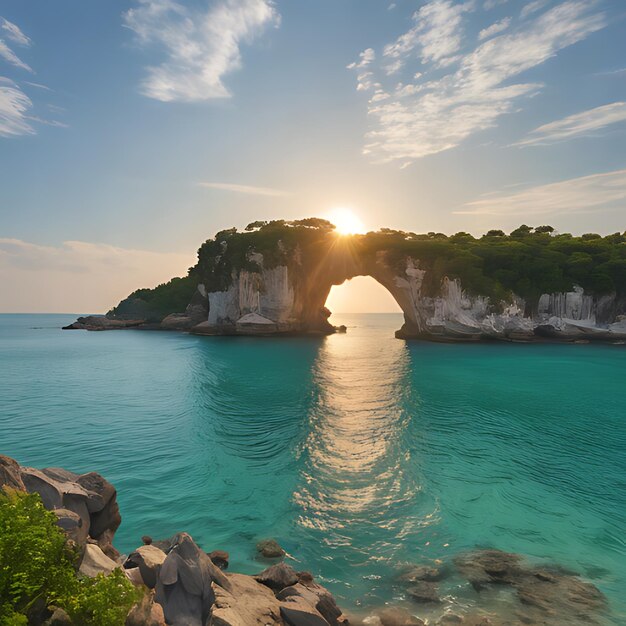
359, 453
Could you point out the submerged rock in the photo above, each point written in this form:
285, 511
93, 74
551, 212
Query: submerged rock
270, 549
394, 616
489, 567
546, 595
424, 592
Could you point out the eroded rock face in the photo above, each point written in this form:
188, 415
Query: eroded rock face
290, 299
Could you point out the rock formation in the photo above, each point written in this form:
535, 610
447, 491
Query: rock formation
275, 279
185, 587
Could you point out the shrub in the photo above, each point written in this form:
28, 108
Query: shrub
102, 601
37, 569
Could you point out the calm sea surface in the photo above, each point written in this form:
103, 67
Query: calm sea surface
359, 452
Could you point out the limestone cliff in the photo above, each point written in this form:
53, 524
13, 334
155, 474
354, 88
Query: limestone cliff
276, 277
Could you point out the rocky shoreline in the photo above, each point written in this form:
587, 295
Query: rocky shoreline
186, 586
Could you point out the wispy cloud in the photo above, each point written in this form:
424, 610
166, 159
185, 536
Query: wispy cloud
429, 115
77, 275
247, 189
201, 47
532, 7
492, 4
494, 29
38, 85
14, 107
10, 57
437, 34
578, 125
13, 32
577, 195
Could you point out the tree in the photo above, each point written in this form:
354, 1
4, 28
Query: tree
522, 231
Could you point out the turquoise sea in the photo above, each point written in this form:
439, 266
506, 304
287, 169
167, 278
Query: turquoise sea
359, 453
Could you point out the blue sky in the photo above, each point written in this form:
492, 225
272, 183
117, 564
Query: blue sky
130, 131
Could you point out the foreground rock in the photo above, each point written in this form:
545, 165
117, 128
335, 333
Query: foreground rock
184, 586
85, 504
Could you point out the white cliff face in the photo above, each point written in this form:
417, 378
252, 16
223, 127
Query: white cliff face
454, 314
265, 301
266, 295
573, 305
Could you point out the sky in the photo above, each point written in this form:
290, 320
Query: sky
133, 130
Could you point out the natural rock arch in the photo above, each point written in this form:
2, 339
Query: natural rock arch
275, 278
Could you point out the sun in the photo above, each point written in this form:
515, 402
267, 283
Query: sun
346, 222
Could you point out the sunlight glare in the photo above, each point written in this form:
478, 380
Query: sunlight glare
347, 222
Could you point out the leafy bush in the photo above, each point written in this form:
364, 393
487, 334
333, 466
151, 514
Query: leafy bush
102, 601
37, 568
34, 560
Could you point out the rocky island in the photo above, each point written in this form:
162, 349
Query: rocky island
274, 278
175, 582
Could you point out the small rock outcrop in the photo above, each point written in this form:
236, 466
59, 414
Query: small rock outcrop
270, 549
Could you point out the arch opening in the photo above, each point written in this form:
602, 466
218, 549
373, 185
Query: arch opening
360, 295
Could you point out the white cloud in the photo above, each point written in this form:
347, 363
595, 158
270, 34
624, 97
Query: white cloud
79, 276
10, 57
494, 29
14, 107
532, 7
365, 58
577, 195
437, 33
492, 4
431, 116
247, 189
13, 32
578, 125
201, 47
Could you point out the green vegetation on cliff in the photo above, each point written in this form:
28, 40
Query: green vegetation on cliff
527, 262
155, 304
37, 570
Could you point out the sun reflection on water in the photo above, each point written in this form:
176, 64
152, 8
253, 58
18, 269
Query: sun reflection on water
358, 451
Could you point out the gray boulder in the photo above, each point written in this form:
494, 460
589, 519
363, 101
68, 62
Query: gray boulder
148, 559
184, 583
278, 576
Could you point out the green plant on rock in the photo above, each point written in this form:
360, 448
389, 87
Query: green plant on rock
37, 570
35, 563
103, 600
